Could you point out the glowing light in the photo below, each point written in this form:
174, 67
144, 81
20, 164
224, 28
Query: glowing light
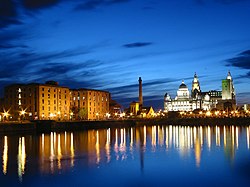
59, 151
97, 147
208, 137
21, 158
248, 142
22, 112
5, 155
153, 142
166, 137
107, 146
72, 151
225, 138
131, 137
237, 137
217, 132
208, 113
144, 135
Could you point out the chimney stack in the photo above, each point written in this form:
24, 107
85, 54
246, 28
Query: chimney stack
140, 92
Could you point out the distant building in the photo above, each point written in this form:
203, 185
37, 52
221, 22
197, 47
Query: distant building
115, 108
137, 108
183, 101
89, 104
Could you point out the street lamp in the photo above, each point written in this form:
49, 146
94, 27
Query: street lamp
5, 114
22, 113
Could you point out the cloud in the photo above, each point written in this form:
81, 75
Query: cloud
37, 4
137, 44
8, 13
93, 4
242, 60
10, 10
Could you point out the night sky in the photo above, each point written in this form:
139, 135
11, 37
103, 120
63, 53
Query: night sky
109, 44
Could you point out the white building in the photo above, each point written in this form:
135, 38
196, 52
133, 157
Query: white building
184, 102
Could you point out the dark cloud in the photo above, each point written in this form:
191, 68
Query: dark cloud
8, 13
242, 60
137, 44
10, 9
37, 4
93, 4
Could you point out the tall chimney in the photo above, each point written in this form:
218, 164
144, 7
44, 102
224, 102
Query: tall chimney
140, 92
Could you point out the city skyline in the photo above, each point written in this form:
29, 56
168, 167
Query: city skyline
101, 45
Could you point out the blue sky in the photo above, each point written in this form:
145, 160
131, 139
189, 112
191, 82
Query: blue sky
108, 44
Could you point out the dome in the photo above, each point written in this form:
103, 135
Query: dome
183, 85
166, 95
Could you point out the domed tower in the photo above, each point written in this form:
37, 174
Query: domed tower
196, 90
183, 92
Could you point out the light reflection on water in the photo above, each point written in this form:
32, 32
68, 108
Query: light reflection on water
58, 152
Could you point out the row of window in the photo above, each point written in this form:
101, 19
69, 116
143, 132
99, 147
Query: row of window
43, 89
54, 108
65, 102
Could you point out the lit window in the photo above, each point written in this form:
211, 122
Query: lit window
19, 90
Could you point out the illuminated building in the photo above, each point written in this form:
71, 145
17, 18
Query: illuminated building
228, 88
50, 101
37, 101
89, 104
224, 99
184, 102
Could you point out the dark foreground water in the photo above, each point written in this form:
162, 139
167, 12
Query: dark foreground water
143, 156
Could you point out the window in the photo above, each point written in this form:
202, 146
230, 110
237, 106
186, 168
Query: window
48, 102
42, 89
49, 96
43, 95
54, 107
65, 102
42, 107
54, 95
49, 108
42, 101
54, 101
48, 89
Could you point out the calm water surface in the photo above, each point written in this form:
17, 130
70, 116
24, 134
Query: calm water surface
143, 156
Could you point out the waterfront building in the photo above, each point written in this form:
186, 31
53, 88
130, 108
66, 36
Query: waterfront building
186, 102
50, 101
89, 104
37, 101
183, 101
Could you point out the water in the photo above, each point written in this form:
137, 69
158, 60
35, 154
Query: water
143, 156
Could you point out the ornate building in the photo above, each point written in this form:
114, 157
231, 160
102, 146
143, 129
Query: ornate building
183, 101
